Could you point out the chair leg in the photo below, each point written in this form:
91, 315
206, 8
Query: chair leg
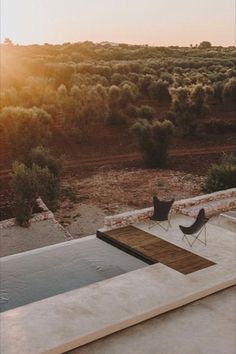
164, 228
169, 224
196, 237
151, 224
170, 217
185, 236
204, 242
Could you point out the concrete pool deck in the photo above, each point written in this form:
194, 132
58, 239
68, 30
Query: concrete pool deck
206, 326
103, 308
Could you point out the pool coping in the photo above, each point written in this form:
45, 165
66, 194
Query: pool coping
118, 303
44, 248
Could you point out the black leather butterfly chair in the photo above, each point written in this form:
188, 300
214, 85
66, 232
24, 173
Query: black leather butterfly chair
161, 213
196, 228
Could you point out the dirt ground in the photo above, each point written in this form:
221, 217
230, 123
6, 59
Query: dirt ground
87, 201
87, 198
108, 177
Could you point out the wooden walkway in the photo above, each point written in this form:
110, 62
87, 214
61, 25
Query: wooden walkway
152, 249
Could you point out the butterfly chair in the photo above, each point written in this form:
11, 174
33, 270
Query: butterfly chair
161, 213
196, 228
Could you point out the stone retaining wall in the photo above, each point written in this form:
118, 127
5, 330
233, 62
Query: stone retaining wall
127, 218
46, 214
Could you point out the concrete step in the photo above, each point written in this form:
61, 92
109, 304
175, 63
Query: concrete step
228, 220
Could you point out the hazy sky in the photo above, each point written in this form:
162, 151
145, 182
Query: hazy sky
160, 22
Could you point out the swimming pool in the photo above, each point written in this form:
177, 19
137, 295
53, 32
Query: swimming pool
35, 275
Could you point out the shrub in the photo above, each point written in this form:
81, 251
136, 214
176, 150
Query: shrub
218, 92
159, 90
24, 128
221, 176
114, 96
47, 185
219, 126
180, 111
198, 105
180, 100
30, 183
25, 192
144, 83
127, 95
189, 109
229, 92
154, 139
116, 117
42, 157
204, 45
146, 112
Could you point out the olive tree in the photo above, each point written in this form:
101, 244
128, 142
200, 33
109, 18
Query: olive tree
229, 92
25, 128
205, 45
159, 90
154, 139
30, 183
43, 158
146, 112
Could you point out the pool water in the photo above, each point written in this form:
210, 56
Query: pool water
52, 270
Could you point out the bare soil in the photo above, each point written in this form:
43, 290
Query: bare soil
105, 175
88, 200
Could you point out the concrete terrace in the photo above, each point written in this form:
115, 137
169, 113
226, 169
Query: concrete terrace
80, 316
206, 326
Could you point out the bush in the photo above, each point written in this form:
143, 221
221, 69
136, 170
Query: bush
24, 128
204, 45
47, 186
159, 90
30, 183
25, 192
42, 157
114, 96
127, 95
146, 112
23, 211
222, 176
116, 117
219, 126
229, 92
154, 139
198, 105
189, 109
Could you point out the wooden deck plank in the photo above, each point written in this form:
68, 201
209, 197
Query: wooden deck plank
153, 249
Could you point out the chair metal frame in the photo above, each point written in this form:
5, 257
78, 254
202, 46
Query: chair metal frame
196, 228
152, 223
196, 237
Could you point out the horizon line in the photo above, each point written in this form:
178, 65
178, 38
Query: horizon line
116, 43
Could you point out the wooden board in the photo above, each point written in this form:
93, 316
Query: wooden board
152, 249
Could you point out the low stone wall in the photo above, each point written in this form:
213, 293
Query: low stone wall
212, 207
202, 199
46, 214
180, 206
